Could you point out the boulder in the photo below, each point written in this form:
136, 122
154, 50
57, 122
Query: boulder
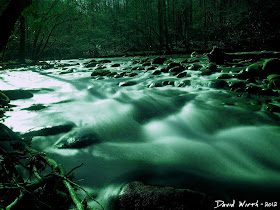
137, 195
116, 65
219, 84
100, 72
4, 100
159, 60
217, 56
17, 94
157, 72
271, 66
128, 83
182, 74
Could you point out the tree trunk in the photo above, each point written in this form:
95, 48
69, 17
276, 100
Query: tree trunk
8, 19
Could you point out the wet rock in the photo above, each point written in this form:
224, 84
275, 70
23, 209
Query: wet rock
17, 94
146, 64
254, 90
67, 72
137, 195
184, 83
212, 67
134, 68
168, 82
92, 63
105, 61
133, 74
194, 67
237, 85
157, 72
274, 81
219, 84
159, 60
128, 83
271, 66
35, 107
172, 65
49, 131
77, 139
141, 68
100, 72
155, 84
217, 56
176, 70
151, 68
116, 65
112, 74
224, 76
206, 72
4, 100
183, 74
195, 54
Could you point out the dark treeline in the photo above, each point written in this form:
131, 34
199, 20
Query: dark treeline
90, 28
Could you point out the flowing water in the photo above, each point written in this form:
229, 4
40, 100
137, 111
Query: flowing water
196, 137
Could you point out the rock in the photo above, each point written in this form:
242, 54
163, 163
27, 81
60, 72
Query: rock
172, 65
195, 54
271, 66
77, 138
238, 86
155, 84
159, 60
206, 72
137, 195
194, 67
168, 82
181, 75
92, 63
151, 68
4, 100
274, 81
67, 72
128, 83
133, 74
157, 72
116, 65
212, 67
219, 84
217, 56
176, 70
184, 83
112, 74
105, 61
49, 131
100, 72
146, 64
254, 90
35, 107
134, 68
224, 76
17, 94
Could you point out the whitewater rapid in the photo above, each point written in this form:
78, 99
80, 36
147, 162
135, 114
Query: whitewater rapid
188, 137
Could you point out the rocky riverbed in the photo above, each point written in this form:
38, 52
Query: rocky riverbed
178, 121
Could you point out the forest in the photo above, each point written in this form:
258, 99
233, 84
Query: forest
139, 104
92, 28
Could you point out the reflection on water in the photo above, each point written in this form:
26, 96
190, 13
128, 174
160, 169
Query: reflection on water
184, 137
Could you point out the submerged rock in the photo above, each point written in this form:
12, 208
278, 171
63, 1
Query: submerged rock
78, 138
137, 195
271, 66
17, 94
116, 65
49, 131
128, 83
4, 100
99, 72
219, 84
35, 107
159, 60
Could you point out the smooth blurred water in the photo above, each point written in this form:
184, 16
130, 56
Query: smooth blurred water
193, 137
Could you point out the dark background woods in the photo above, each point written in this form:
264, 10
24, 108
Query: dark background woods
90, 28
